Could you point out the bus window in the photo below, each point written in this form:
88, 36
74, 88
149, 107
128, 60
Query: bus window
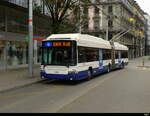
124, 54
116, 54
87, 54
106, 54
59, 55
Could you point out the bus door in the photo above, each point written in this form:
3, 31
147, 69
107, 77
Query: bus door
100, 59
119, 57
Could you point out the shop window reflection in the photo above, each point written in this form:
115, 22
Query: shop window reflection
16, 53
1, 57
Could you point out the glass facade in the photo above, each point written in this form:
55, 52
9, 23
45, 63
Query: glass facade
1, 54
23, 3
41, 26
2, 18
17, 21
14, 28
16, 53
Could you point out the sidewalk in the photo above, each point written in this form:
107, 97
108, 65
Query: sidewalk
16, 78
139, 61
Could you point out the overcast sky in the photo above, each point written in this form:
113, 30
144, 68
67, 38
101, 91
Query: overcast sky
145, 5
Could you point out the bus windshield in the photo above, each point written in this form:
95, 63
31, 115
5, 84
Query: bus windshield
59, 55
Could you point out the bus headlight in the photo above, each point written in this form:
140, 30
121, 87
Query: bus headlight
42, 68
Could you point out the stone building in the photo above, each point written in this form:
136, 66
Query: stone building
106, 18
147, 40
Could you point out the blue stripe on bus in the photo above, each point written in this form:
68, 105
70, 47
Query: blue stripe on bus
81, 75
57, 76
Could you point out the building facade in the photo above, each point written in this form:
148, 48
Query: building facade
147, 40
106, 18
14, 34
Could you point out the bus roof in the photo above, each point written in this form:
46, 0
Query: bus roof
87, 41
119, 46
82, 40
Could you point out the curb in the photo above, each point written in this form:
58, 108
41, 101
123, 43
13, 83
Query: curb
21, 86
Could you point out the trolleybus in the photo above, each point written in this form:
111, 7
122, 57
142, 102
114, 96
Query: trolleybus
79, 56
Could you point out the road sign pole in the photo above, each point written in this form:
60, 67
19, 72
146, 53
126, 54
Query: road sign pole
30, 50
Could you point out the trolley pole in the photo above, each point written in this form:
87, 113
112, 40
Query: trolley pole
80, 31
30, 29
107, 33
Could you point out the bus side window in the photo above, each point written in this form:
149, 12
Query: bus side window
81, 55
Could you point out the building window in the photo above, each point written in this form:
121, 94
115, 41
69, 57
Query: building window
110, 35
96, 24
2, 19
85, 10
110, 9
96, 10
110, 23
2, 44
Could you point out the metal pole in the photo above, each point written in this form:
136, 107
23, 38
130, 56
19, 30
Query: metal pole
122, 34
107, 33
80, 18
30, 28
107, 29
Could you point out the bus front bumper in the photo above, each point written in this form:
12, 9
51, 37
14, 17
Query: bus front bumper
58, 76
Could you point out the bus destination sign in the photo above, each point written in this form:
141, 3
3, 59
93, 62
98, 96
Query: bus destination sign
57, 44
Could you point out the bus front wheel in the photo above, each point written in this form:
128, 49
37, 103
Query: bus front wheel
122, 65
109, 68
89, 75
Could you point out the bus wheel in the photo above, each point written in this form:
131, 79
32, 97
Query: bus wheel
109, 68
89, 75
122, 65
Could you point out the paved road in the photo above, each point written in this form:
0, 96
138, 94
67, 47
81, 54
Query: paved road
126, 90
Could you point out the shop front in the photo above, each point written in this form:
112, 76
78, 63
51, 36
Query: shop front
2, 63
16, 53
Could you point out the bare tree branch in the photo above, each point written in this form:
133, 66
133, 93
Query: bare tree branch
58, 10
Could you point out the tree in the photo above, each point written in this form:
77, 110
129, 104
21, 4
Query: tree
37, 8
58, 10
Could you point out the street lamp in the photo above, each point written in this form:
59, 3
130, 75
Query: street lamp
119, 35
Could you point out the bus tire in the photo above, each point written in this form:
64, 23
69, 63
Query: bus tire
109, 68
90, 74
122, 65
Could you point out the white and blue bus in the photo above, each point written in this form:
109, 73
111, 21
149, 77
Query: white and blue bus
79, 56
